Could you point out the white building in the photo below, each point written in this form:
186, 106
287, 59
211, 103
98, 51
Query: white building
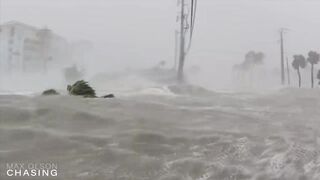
25, 48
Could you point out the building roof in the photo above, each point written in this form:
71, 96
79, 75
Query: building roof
17, 23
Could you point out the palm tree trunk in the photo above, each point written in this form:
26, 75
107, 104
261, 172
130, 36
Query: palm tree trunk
299, 76
312, 79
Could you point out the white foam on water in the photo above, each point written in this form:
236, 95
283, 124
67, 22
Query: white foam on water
218, 135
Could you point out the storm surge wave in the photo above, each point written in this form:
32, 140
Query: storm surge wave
167, 133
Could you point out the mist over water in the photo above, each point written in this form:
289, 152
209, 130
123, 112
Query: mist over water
139, 34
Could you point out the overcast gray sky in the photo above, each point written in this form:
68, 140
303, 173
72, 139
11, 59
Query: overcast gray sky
141, 32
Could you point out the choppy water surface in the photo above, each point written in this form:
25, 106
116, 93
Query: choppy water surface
213, 136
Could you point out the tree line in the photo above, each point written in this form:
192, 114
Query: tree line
253, 59
300, 62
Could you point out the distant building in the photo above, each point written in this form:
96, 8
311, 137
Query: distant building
24, 48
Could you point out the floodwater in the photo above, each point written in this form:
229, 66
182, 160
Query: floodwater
166, 133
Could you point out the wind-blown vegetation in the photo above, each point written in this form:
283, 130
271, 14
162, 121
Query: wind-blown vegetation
313, 58
251, 60
247, 71
81, 88
299, 61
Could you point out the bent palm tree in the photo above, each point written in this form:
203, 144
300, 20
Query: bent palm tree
81, 88
299, 61
313, 58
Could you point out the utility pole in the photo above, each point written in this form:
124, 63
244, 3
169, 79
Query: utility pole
282, 57
288, 71
0, 33
176, 50
182, 43
187, 21
1, 51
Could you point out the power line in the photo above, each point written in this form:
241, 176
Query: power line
176, 50
193, 17
282, 57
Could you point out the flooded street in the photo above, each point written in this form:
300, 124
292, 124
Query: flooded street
167, 137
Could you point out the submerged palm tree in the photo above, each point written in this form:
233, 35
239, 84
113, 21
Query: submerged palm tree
299, 61
81, 88
313, 58
50, 92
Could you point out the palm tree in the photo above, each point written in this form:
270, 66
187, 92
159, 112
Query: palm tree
259, 57
81, 88
313, 58
251, 60
299, 61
